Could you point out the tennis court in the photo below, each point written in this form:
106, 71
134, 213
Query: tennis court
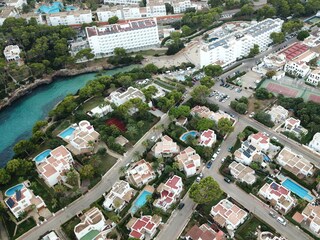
286, 91
314, 98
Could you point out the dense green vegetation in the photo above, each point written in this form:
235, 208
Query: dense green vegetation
240, 106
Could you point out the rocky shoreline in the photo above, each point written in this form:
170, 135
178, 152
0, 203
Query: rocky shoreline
47, 80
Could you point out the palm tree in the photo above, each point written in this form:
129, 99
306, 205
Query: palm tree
136, 155
149, 201
91, 144
122, 170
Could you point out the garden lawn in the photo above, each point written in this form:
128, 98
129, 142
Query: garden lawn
107, 161
92, 103
68, 227
25, 226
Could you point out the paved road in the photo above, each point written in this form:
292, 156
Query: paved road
95, 193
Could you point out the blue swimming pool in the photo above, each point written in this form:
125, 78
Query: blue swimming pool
297, 189
54, 8
11, 191
186, 134
67, 132
140, 201
40, 157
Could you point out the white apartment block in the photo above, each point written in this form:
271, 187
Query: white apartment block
166, 147
93, 225
15, 3
189, 161
242, 173
119, 98
278, 114
312, 214
315, 143
314, 77
29, 16
54, 168
12, 53
169, 192
140, 173
295, 163
22, 199
69, 18
120, 194
235, 45
298, 69
122, 12
122, 2
228, 215
279, 195
156, 10
144, 227
130, 35
180, 6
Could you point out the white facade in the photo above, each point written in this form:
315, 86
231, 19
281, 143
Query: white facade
169, 192
315, 143
140, 173
189, 161
131, 35
100, 111
119, 98
180, 6
312, 214
69, 18
121, 12
54, 167
29, 16
278, 114
293, 125
166, 148
15, 3
122, 2
242, 173
235, 45
120, 194
144, 227
12, 53
207, 138
314, 77
156, 10
6, 13
299, 69
50, 236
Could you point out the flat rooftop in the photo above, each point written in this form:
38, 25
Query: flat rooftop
294, 50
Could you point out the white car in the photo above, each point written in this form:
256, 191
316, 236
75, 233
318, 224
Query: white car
222, 160
282, 221
218, 151
214, 156
275, 138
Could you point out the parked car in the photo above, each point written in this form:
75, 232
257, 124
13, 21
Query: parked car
272, 214
223, 159
214, 156
198, 179
180, 206
227, 180
282, 221
209, 164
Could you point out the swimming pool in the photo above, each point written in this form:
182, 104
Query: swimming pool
67, 132
54, 8
186, 134
11, 191
140, 201
297, 189
70, 8
40, 157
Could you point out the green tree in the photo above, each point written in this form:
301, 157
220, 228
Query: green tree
277, 37
151, 68
262, 94
207, 81
87, 171
205, 124
246, 10
225, 125
200, 93
169, 8
84, 54
113, 20
37, 69
4, 176
206, 191
39, 125
149, 92
186, 30
213, 70
181, 111
303, 35
23, 147
119, 52
271, 73
292, 26
254, 50
72, 178
298, 10
264, 118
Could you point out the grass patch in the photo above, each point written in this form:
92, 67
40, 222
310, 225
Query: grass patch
92, 103
152, 52
164, 85
62, 126
69, 226
107, 161
25, 226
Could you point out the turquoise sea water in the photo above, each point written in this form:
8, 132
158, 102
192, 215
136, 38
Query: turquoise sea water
17, 120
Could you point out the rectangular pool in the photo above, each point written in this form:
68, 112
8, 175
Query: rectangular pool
297, 189
67, 132
140, 201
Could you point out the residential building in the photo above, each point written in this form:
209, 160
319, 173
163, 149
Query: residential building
293, 125
144, 227
237, 44
274, 61
169, 192
122, 12
103, 40
54, 168
122, 2
140, 173
51, 236
180, 6
156, 8
204, 232
93, 225
315, 143
78, 17
189, 161
311, 215
295, 163
259, 141
166, 148
22, 200
28, 16
298, 52
204, 112
119, 98
181, 121
100, 111
120, 194
6, 13
207, 138
278, 114
297, 68
314, 77
242, 173
12, 53
278, 196
15, 3
228, 214
83, 138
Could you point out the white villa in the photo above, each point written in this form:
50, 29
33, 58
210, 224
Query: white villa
12, 53
169, 192
51, 236
207, 138
242, 172
314, 77
278, 195
54, 168
204, 112
278, 114
93, 225
189, 161
315, 143
83, 138
120, 194
311, 214
119, 98
22, 200
140, 173
100, 111
143, 227
166, 148
227, 214
293, 125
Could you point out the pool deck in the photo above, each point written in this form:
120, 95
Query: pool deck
148, 188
